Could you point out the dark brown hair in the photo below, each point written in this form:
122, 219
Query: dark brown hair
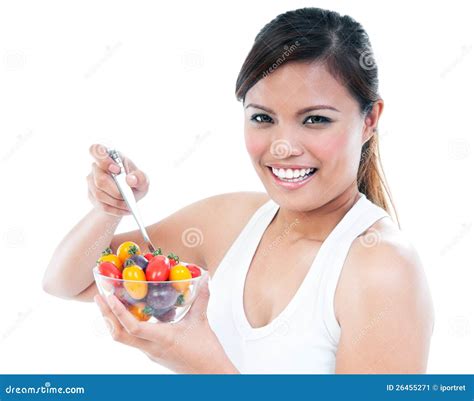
343, 46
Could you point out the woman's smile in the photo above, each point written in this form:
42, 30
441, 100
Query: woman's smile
291, 178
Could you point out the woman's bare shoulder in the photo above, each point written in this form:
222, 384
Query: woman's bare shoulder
228, 214
382, 263
383, 298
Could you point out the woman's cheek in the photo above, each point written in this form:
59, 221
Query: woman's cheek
332, 148
256, 144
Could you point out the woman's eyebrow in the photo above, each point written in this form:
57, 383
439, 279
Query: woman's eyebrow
302, 111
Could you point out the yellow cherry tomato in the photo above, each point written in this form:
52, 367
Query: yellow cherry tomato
136, 289
140, 311
111, 258
180, 272
127, 249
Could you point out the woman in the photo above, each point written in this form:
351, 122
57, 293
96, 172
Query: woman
313, 276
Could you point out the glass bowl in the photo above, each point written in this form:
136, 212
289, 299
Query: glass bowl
152, 301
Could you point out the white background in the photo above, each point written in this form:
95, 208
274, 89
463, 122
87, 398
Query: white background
157, 81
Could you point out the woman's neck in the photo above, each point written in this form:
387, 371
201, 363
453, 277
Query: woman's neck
315, 224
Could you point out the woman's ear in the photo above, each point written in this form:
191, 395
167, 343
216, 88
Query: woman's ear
371, 120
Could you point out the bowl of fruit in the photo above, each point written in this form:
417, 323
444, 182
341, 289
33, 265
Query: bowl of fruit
152, 286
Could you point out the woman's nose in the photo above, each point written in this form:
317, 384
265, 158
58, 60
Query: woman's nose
283, 148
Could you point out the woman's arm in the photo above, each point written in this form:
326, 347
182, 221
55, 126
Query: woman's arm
387, 317
70, 269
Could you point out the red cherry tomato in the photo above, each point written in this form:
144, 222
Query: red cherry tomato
194, 269
174, 259
149, 256
108, 269
158, 268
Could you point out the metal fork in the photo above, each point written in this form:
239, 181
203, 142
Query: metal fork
128, 195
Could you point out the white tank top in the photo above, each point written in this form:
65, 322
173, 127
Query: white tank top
304, 337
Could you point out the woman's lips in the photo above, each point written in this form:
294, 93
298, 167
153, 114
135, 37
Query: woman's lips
290, 185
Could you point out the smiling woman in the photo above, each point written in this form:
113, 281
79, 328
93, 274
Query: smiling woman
343, 291
313, 276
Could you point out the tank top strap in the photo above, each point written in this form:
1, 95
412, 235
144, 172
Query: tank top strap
337, 249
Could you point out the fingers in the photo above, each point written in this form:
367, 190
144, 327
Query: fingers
138, 180
108, 208
105, 182
157, 332
103, 189
102, 158
116, 329
198, 311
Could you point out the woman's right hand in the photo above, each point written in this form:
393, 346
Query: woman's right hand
103, 192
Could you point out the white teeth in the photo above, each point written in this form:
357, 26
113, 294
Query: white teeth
290, 174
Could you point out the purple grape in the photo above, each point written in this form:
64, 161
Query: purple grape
165, 315
139, 260
161, 296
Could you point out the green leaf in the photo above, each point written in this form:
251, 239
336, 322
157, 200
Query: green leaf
133, 250
180, 300
107, 251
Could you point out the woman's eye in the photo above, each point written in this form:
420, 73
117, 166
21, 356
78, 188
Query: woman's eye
318, 119
261, 118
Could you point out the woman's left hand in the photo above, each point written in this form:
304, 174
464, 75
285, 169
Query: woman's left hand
189, 346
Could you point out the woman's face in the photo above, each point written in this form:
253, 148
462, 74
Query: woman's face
280, 133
